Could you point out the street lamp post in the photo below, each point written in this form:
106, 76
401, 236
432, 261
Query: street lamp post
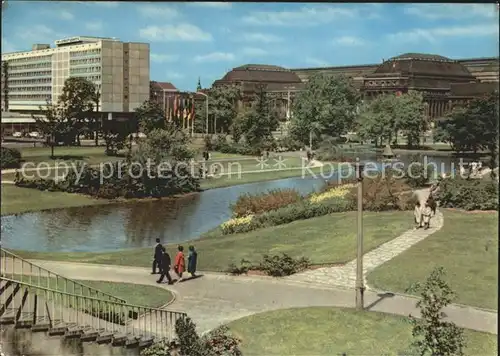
206, 102
359, 257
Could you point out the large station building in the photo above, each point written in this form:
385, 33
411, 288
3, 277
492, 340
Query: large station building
443, 81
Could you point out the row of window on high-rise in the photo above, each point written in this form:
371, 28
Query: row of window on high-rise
85, 70
29, 89
29, 66
88, 52
92, 78
75, 62
30, 97
28, 81
30, 59
31, 74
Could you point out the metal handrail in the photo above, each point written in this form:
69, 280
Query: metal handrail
100, 315
5, 255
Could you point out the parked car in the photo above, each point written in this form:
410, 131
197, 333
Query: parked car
17, 134
35, 134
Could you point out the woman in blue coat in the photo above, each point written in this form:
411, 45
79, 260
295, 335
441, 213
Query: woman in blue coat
192, 260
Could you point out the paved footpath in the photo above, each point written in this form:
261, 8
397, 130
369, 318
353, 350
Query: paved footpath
215, 299
345, 276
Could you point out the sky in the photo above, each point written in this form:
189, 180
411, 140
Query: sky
191, 40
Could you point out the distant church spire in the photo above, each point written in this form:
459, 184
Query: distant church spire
198, 87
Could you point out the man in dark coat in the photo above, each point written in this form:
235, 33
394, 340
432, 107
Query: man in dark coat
157, 256
165, 267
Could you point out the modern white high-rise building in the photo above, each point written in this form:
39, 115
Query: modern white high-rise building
120, 70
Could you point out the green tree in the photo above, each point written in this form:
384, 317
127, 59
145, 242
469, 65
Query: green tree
328, 100
222, 103
377, 119
473, 127
150, 116
432, 335
79, 98
257, 122
56, 125
410, 111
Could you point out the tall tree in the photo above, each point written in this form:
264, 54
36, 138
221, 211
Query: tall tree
328, 100
377, 119
222, 103
56, 125
257, 122
410, 109
79, 98
150, 116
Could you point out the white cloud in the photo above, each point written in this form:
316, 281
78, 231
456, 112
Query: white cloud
159, 11
38, 34
452, 11
66, 15
214, 4
348, 41
434, 34
182, 32
307, 16
215, 57
174, 75
260, 37
316, 62
163, 58
94, 26
252, 51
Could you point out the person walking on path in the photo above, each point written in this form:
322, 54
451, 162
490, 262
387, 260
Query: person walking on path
165, 267
426, 214
192, 260
432, 204
157, 256
180, 263
417, 213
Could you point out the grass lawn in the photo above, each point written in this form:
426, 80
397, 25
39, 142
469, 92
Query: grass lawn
17, 200
89, 154
326, 239
333, 331
466, 246
136, 294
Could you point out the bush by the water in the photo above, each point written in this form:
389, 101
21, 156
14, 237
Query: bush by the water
111, 185
220, 143
468, 194
248, 204
274, 266
11, 158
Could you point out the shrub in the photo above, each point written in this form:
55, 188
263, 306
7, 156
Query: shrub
248, 204
282, 265
418, 175
11, 158
232, 225
468, 194
243, 268
287, 143
301, 210
337, 192
382, 193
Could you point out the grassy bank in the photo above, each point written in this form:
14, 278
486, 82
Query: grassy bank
136, 294
466, 246
334, 331
326, 239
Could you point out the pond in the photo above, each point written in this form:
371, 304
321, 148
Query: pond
131, 225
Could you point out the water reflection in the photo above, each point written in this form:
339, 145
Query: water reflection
130, 225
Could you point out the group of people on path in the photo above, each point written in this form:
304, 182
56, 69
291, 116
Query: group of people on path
424, 213
162, 261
